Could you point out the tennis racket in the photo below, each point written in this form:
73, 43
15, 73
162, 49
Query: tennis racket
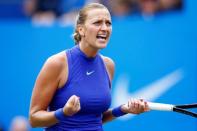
174, 108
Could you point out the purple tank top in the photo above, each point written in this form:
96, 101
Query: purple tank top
88, 79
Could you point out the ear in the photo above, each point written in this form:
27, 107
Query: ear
81, 30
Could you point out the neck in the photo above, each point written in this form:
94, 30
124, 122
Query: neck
88, 50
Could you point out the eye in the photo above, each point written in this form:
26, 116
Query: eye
108, 23
97, 23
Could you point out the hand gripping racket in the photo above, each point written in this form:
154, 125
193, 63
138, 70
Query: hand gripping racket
174, 108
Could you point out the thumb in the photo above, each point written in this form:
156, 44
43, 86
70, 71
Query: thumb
72, 100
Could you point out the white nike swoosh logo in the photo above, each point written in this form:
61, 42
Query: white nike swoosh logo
150, 92
89, 73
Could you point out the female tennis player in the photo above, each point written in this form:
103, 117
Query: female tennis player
73, 89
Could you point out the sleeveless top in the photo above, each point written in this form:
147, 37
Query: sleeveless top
89, 80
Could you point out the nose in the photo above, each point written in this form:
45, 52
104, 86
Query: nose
104, 26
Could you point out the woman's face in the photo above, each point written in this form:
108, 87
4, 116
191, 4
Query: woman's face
97, 28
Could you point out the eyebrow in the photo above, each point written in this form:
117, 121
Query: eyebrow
94, 20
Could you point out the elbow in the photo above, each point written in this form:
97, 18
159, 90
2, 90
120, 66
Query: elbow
32, 121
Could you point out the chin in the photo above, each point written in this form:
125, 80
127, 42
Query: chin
102, 46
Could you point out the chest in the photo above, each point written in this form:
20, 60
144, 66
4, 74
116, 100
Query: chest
90, 82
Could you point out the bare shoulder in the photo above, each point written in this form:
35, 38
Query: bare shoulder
110, 65
57, 61
108, 61
53, 67
52, 71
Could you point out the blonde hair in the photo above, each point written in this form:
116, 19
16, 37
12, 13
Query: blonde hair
82, 16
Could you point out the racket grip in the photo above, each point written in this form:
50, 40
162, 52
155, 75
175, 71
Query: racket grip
160, 106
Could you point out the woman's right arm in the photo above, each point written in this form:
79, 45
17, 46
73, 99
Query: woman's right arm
45, 86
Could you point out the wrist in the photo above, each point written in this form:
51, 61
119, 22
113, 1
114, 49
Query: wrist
124, 108
59, 114
118, 111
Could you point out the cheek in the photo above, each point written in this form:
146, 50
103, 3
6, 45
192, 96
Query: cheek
110, 29
110, 32
92, 34
93, 30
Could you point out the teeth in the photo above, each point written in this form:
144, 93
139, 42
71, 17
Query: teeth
101, 36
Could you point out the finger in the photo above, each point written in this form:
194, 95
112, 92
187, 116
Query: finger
76, 101
141, 106
134, 103
138, 104
131, 104
71, 100
142, 100
78, 107
128, 104
146, 106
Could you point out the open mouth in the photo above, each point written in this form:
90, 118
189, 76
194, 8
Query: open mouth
101, 37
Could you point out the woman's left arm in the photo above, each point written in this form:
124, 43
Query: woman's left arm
134, 106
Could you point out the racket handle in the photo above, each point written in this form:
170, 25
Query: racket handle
160, 106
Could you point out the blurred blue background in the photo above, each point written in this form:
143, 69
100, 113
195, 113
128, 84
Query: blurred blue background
160, 51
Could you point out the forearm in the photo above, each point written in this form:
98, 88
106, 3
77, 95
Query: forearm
42, 119
112, 114
107, 116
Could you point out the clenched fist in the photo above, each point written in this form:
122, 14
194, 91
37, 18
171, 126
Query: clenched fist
135, 106
72, 106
